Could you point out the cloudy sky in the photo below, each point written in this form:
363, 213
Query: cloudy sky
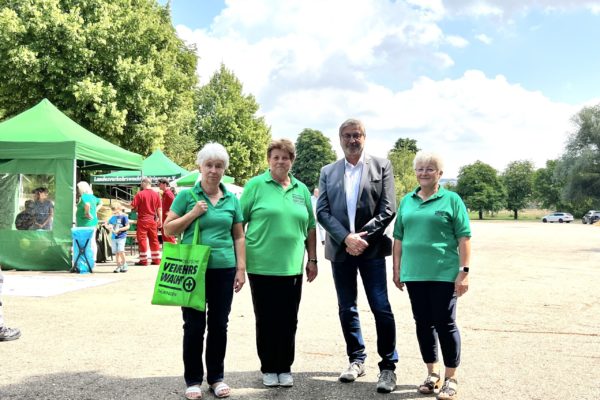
495, 80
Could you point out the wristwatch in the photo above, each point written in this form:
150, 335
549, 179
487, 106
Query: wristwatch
313, 260
464, 269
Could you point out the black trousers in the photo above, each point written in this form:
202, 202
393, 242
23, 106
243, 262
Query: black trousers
219, 295
434, 309
276, 301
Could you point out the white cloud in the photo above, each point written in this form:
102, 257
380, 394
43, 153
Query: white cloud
483, 38
314, 64
457, 41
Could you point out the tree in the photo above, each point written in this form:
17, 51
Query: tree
116, 67
227, 116
480, 188
579, 166
518, 180
313, 152
547, 188
401, 156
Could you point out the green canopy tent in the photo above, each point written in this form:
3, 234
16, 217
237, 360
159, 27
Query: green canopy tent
156, 166
42, 147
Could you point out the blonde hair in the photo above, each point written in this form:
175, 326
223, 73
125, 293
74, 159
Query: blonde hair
116, 206
425, 157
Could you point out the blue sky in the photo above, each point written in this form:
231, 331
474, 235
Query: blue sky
494, 80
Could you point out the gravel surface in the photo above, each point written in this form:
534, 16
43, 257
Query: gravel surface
530, 326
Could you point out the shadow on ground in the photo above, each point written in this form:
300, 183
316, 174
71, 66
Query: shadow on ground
245, 385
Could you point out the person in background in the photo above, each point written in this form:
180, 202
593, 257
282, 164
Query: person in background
218, 212
6, 333
432, 250
320, 230
356, 204
118, 224
86, 215
280, 228
167, 198
148, 206
42, 210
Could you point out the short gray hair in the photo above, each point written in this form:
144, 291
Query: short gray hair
425, 157
353, 122
84, 188
212, 151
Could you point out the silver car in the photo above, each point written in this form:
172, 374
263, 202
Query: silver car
558, 217
590, 217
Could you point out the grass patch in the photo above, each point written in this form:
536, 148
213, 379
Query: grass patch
531, 214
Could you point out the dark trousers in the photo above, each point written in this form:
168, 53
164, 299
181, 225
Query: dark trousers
434, 309
276, 301
219, 295
374, 278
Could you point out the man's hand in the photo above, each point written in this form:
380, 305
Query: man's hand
355, 244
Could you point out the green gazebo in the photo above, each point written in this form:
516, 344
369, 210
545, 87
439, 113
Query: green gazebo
42, 147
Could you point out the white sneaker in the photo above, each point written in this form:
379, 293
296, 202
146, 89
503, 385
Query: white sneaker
270, 379
286, 379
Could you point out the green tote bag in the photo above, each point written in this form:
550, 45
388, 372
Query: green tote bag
180, 280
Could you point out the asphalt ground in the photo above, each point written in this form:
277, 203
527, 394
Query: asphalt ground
530, 328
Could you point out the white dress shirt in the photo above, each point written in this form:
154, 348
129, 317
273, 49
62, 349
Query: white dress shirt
352, 175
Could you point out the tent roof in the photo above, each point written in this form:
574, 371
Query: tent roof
194, 176
44, 132
157, 165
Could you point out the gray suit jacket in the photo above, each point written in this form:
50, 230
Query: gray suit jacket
375, 209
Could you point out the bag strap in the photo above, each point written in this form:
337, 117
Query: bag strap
196, 239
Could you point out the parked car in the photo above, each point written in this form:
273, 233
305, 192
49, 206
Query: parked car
590, 217
558, 217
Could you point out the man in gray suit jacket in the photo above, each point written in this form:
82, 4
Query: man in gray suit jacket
356, 203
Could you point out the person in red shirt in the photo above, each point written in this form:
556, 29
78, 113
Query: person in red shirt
149, 209
167, 200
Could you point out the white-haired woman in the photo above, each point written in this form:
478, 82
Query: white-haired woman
86, 214
431, 257
220, 218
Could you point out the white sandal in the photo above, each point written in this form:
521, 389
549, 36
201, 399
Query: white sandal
193, 392
220, 389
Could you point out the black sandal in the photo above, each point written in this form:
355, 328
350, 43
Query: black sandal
432, 382
449, 390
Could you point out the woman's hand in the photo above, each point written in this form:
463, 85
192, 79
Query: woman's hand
461, 284
240, 279
200, 208
396, 279
312, 270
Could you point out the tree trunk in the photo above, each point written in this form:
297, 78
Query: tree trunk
480, 214
515, 214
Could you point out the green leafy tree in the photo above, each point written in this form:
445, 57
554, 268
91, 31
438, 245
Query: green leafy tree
518, 180
480, 188
116, 67
579, 166
313, 152
548, 187
402, 156
227, 116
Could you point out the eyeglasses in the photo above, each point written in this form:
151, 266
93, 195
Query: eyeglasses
355, 136
428, 170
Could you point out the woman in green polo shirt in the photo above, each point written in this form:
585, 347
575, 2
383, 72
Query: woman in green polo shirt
281, 226
431, 256
218, 212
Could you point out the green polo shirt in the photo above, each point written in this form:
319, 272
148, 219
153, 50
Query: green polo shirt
429, 231
278, 223
215, 224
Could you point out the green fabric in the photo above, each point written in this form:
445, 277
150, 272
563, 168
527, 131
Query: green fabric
44, 141
94, 202
278, 223
194, 176
39, 250
215, 224
429, 231
180, 279
156, 166
44, 132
